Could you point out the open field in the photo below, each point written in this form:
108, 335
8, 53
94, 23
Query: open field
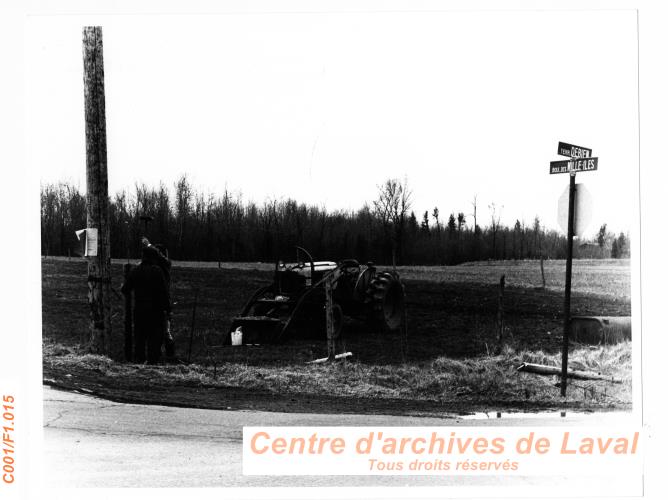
605, 277
608, 277
448, 356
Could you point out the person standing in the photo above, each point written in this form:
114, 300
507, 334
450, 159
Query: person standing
151, 300
161, 259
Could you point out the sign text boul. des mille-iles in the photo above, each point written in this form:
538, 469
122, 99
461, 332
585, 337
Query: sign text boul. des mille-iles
566, 166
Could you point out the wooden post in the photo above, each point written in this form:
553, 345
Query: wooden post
128, 316
192, 325
329, 316
567, 294
97, 198
499, 313
542, 270
405, 324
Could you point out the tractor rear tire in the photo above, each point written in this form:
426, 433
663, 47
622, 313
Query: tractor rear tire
386, 302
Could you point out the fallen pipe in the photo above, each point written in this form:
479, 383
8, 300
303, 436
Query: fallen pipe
343, 355
556, 370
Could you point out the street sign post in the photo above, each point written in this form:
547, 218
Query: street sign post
567, 291
580, 161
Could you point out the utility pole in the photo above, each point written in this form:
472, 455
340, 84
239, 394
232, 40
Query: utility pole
97, 198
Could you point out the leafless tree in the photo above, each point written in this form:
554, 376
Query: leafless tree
391, 208
496, 220
435, 214
476, 229
475, 213
461, 221
184, 196
537, 243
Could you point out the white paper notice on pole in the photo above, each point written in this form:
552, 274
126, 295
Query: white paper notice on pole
90, 240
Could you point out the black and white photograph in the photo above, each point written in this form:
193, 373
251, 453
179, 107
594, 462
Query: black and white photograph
263, 219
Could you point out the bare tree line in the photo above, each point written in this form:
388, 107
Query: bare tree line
206, 227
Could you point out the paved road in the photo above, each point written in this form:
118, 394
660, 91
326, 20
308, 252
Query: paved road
113, 444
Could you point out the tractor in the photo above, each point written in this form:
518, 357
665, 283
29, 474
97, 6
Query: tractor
294, 304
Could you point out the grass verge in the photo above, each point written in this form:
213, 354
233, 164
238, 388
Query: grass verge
473, 383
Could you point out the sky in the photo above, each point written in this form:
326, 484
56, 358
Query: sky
324, 107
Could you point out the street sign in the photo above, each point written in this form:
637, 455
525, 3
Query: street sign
583, 210
574, 217
573, 151
567, 166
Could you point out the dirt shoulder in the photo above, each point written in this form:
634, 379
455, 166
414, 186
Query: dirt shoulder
237, 398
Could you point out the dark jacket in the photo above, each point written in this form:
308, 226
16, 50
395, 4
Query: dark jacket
163, 263
148, 283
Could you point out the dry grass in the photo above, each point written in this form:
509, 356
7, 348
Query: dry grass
487, 379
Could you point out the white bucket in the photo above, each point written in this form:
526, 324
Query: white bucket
237, 336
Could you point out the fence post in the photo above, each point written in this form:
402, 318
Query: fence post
499, 313
329, 316
192, 325
405, 325
128, 315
